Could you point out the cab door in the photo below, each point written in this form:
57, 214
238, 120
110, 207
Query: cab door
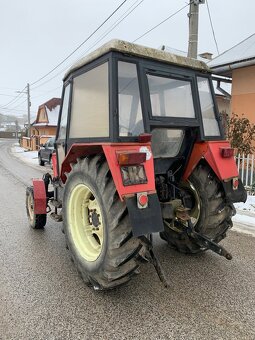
62, 127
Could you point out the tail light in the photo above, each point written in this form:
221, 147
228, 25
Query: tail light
132, 171
144, 138
132, 175
131, 158
227, 152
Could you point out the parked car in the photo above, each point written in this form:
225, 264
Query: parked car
46, 151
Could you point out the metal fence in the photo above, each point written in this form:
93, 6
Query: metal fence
246, 169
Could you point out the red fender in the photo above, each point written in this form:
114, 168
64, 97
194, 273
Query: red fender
111, 150
224, 168
40, 200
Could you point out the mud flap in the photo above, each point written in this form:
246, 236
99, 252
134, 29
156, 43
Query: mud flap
239, 195
145, 221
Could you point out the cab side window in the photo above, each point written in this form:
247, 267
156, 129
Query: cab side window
90, 104
64, 114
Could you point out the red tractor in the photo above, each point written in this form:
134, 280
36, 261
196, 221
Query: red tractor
139, 150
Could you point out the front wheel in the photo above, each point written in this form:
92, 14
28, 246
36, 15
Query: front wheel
36, 221
209, 211
97, 228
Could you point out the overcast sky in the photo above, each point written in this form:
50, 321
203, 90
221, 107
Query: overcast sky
35, 36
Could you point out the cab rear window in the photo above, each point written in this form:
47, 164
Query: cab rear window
170, 97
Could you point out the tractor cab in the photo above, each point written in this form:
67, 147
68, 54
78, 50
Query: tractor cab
123, 90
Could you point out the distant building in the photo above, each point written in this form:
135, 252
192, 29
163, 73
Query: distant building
47, 118
238, 63
45, 124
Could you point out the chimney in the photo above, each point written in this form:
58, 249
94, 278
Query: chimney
206, 55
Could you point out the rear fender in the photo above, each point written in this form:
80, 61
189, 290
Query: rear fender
78, 151
40, 199
143, 221
224, 168
110, 150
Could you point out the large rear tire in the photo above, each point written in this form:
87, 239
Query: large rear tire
97, 227
210, 213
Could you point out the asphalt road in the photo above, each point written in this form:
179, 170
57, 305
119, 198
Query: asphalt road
43, 297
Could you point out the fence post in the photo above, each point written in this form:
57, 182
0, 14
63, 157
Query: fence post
247, 170
242, 174
238, 162
252, 169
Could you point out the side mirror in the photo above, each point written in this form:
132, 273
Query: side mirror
42, 145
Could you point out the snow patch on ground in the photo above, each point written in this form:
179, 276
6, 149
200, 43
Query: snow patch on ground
30, 157
243, 228
244, 220
249, 205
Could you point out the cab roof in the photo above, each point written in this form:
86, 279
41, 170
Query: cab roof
139, 51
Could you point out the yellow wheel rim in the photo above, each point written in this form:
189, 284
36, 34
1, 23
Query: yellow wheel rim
85, 222
30, 206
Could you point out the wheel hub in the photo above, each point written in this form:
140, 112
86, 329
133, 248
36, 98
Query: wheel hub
94, 218
195, 205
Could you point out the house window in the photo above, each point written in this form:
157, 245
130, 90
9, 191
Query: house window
42, 116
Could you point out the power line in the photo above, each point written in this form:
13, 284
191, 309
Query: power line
8, 88
44, 93
14, 107
78, 47
162, 22
214, 37
6, 95
116, 23
13, 100
17, 110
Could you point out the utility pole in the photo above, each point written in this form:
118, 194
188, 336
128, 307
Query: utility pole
28, 109
193, 27
27, 92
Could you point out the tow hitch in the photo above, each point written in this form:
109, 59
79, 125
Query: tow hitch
205, 242
182, 214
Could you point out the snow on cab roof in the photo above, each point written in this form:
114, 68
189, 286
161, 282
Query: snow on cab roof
139, 51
